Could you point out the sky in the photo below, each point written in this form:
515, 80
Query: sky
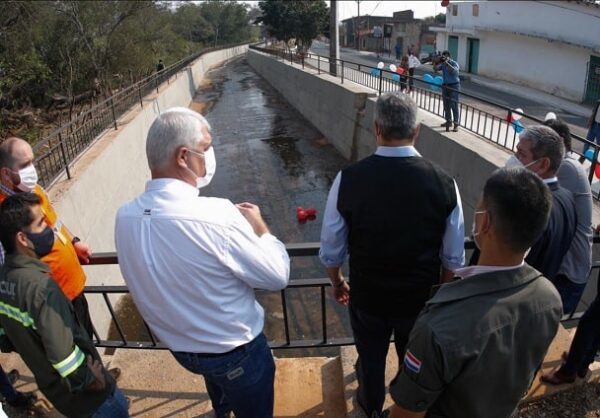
347, 8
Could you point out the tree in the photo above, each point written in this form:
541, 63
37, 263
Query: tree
300, 20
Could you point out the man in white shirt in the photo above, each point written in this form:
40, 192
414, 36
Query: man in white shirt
413, 62
192, 263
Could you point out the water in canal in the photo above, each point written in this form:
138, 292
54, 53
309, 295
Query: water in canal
268, 154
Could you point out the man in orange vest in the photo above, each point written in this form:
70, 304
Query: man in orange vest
18, 174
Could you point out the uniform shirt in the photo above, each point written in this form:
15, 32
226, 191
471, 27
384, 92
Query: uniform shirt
39, 323
478, 343
577, 262
63, 260
191, 264
334, 232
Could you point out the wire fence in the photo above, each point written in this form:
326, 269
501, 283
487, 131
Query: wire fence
57, 152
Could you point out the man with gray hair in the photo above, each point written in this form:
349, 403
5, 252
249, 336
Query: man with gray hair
192, 263
400, 218
541, 150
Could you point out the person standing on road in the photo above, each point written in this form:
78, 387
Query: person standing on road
192, 263
593, 134
413, 62
400, 218
450, 89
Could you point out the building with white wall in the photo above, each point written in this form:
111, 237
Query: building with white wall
553, 46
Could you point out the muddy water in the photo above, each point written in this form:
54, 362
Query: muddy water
268, 154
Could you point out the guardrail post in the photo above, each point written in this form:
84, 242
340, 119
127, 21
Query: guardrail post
380, 80
319, 63
64, 155
342, 72
140, 95
112, 108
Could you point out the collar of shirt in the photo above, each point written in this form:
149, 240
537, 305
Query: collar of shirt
550, 180
469, 271
405, 151
172, 185
486, 282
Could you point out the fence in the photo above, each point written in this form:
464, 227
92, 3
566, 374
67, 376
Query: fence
57, 151
294, 250
487, 119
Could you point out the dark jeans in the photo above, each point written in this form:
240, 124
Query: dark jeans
82, 312
115, 406
240, 381
6, 388
570, 293
372, 337
587, 339
450, 99
411, 73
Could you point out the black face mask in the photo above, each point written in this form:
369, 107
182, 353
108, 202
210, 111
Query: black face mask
42, 241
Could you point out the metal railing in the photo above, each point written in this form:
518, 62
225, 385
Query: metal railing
294, 250
56, 152
485, 118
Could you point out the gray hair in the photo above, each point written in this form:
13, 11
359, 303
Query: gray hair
545, 142
177, 127
396, 115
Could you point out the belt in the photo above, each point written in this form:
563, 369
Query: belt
450, 84
211, 355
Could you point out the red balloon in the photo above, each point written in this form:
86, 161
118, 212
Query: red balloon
400, 70
509, 118
597, 171
311, 211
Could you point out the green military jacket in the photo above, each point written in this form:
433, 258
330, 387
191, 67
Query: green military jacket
477, 344
39, 323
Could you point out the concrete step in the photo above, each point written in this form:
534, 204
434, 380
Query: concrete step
159, 387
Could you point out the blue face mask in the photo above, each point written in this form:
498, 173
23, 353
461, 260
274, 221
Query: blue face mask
42, 241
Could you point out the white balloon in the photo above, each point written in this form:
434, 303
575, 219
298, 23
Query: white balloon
550, 115
380, 65
517, 116
393, 68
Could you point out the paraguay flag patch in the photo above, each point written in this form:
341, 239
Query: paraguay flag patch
411, 362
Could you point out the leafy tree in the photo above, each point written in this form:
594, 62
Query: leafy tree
300, 20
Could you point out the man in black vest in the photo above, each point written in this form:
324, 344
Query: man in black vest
541, 150
400, 218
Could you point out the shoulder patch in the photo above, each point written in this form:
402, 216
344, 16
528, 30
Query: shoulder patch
411, 362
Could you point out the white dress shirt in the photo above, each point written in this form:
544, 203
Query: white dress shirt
191, 264
413, 62
334, 232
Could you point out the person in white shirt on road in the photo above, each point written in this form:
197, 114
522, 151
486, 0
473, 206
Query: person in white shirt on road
192, 263
413, 62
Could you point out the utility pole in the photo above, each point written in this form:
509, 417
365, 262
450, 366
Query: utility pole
358, 26
334, 35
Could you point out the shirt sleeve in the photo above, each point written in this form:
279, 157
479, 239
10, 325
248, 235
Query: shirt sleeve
261, 262
334, 232
453, 244
54, 323
423, 375
452, 66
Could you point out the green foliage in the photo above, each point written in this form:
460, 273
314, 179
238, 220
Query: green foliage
300, 20
69, 47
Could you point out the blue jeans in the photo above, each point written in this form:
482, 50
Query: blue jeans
593, 135
450, 99
587, 339
570, 293
372, 337
115, 406
240, 381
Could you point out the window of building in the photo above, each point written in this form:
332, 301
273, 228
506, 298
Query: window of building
475, 10
455, 10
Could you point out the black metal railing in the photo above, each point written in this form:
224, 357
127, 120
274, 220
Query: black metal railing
56, 152
294, 250
483, 117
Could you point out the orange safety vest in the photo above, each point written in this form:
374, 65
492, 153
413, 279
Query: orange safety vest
63, 261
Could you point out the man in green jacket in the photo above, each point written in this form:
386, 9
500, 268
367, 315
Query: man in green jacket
39, 323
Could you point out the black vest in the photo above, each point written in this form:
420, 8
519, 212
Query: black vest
396, 210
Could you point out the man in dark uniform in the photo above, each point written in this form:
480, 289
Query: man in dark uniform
471, 353
400, 218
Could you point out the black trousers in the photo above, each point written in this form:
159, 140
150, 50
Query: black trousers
372, 338
82, 312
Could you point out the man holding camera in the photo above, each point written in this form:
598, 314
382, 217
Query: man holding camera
450, 89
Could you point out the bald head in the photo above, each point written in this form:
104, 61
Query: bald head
15, 154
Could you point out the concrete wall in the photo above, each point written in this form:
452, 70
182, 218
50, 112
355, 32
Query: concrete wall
114, 170
328, 104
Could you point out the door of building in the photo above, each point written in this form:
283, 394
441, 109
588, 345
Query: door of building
592, 88
473, 55
453, 47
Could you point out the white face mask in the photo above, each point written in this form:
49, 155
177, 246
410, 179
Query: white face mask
514, 162
210, 165
29, 178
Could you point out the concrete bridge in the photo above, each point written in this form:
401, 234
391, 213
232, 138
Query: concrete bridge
281, 133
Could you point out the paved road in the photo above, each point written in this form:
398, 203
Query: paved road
529, 106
